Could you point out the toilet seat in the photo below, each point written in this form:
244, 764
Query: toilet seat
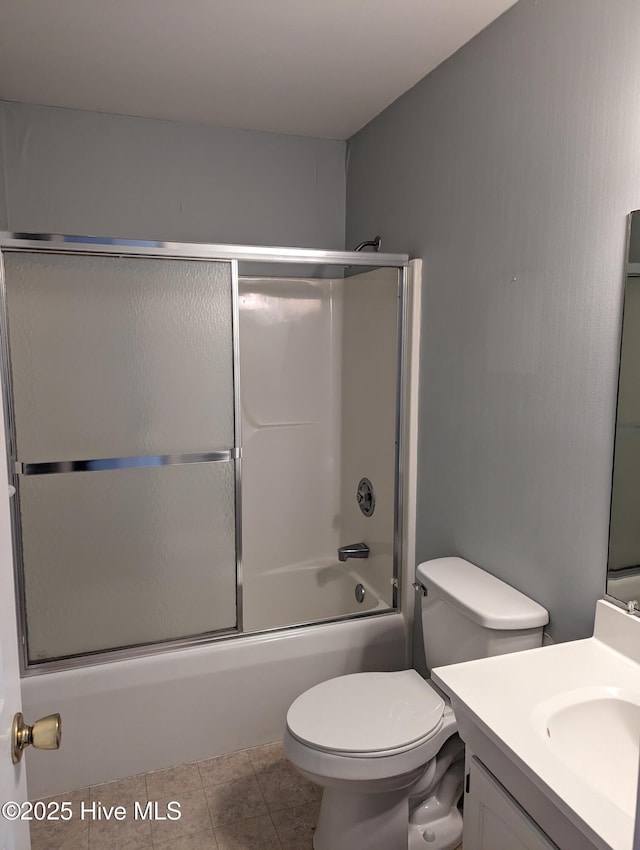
367, 715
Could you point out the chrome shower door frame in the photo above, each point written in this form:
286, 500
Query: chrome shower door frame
231, 254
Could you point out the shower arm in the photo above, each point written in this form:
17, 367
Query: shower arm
372, 243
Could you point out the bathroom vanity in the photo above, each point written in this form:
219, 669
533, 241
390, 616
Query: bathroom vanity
552, 740
493, 819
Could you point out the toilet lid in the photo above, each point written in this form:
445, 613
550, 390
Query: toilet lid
366, 712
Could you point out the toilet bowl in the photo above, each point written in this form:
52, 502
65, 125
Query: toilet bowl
370, 739
384, 746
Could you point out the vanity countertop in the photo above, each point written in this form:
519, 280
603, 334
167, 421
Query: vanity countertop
568, 717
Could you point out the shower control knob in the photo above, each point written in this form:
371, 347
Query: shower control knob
45, 734
365, 497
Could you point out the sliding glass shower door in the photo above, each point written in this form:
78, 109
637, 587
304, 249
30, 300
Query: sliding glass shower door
122, 397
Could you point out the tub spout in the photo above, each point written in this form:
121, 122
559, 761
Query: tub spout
354, 550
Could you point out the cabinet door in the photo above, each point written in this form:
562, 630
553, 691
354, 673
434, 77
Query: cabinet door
493, 820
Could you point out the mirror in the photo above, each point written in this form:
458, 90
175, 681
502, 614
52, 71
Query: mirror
623, 568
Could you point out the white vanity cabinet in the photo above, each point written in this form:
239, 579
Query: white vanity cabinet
556, 752
493, 820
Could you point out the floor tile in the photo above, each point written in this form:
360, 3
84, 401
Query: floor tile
283, 788
267, 757
161, 784
55, 838
76, 798
194, 817
132, 833
200, 841
227, 768
250, 800
295, 826
235, 801
62, 834
254, 834
128, 834
123, 792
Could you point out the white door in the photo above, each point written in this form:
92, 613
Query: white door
14, 834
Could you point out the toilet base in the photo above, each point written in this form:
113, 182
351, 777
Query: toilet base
371, 821
442, 834
381, 822
436, 822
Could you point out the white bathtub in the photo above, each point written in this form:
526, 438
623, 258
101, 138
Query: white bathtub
143, 714
306, 593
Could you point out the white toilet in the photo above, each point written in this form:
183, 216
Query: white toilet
383, 746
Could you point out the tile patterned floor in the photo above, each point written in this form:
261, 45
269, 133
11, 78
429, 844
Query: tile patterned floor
248, 800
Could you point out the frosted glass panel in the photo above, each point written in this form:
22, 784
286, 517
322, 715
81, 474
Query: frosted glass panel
119, 356
127, 557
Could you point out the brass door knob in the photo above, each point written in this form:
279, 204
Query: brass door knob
45, 734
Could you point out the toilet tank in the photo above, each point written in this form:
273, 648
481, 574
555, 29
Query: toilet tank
467, 613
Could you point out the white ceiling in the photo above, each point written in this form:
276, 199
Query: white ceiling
319, 68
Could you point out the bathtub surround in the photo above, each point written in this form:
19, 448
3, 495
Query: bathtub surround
512, 169
319, 371
368, 401
290, 360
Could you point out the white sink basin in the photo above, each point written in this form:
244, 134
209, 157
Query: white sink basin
596, 732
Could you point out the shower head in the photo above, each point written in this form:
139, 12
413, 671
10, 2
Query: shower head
373, 243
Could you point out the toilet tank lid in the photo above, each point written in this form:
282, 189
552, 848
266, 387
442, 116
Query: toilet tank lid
483, 598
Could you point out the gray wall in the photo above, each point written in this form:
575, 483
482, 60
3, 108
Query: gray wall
72, 171
4, 212
511, 170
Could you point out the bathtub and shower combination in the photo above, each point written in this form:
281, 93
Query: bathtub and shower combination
194, 431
